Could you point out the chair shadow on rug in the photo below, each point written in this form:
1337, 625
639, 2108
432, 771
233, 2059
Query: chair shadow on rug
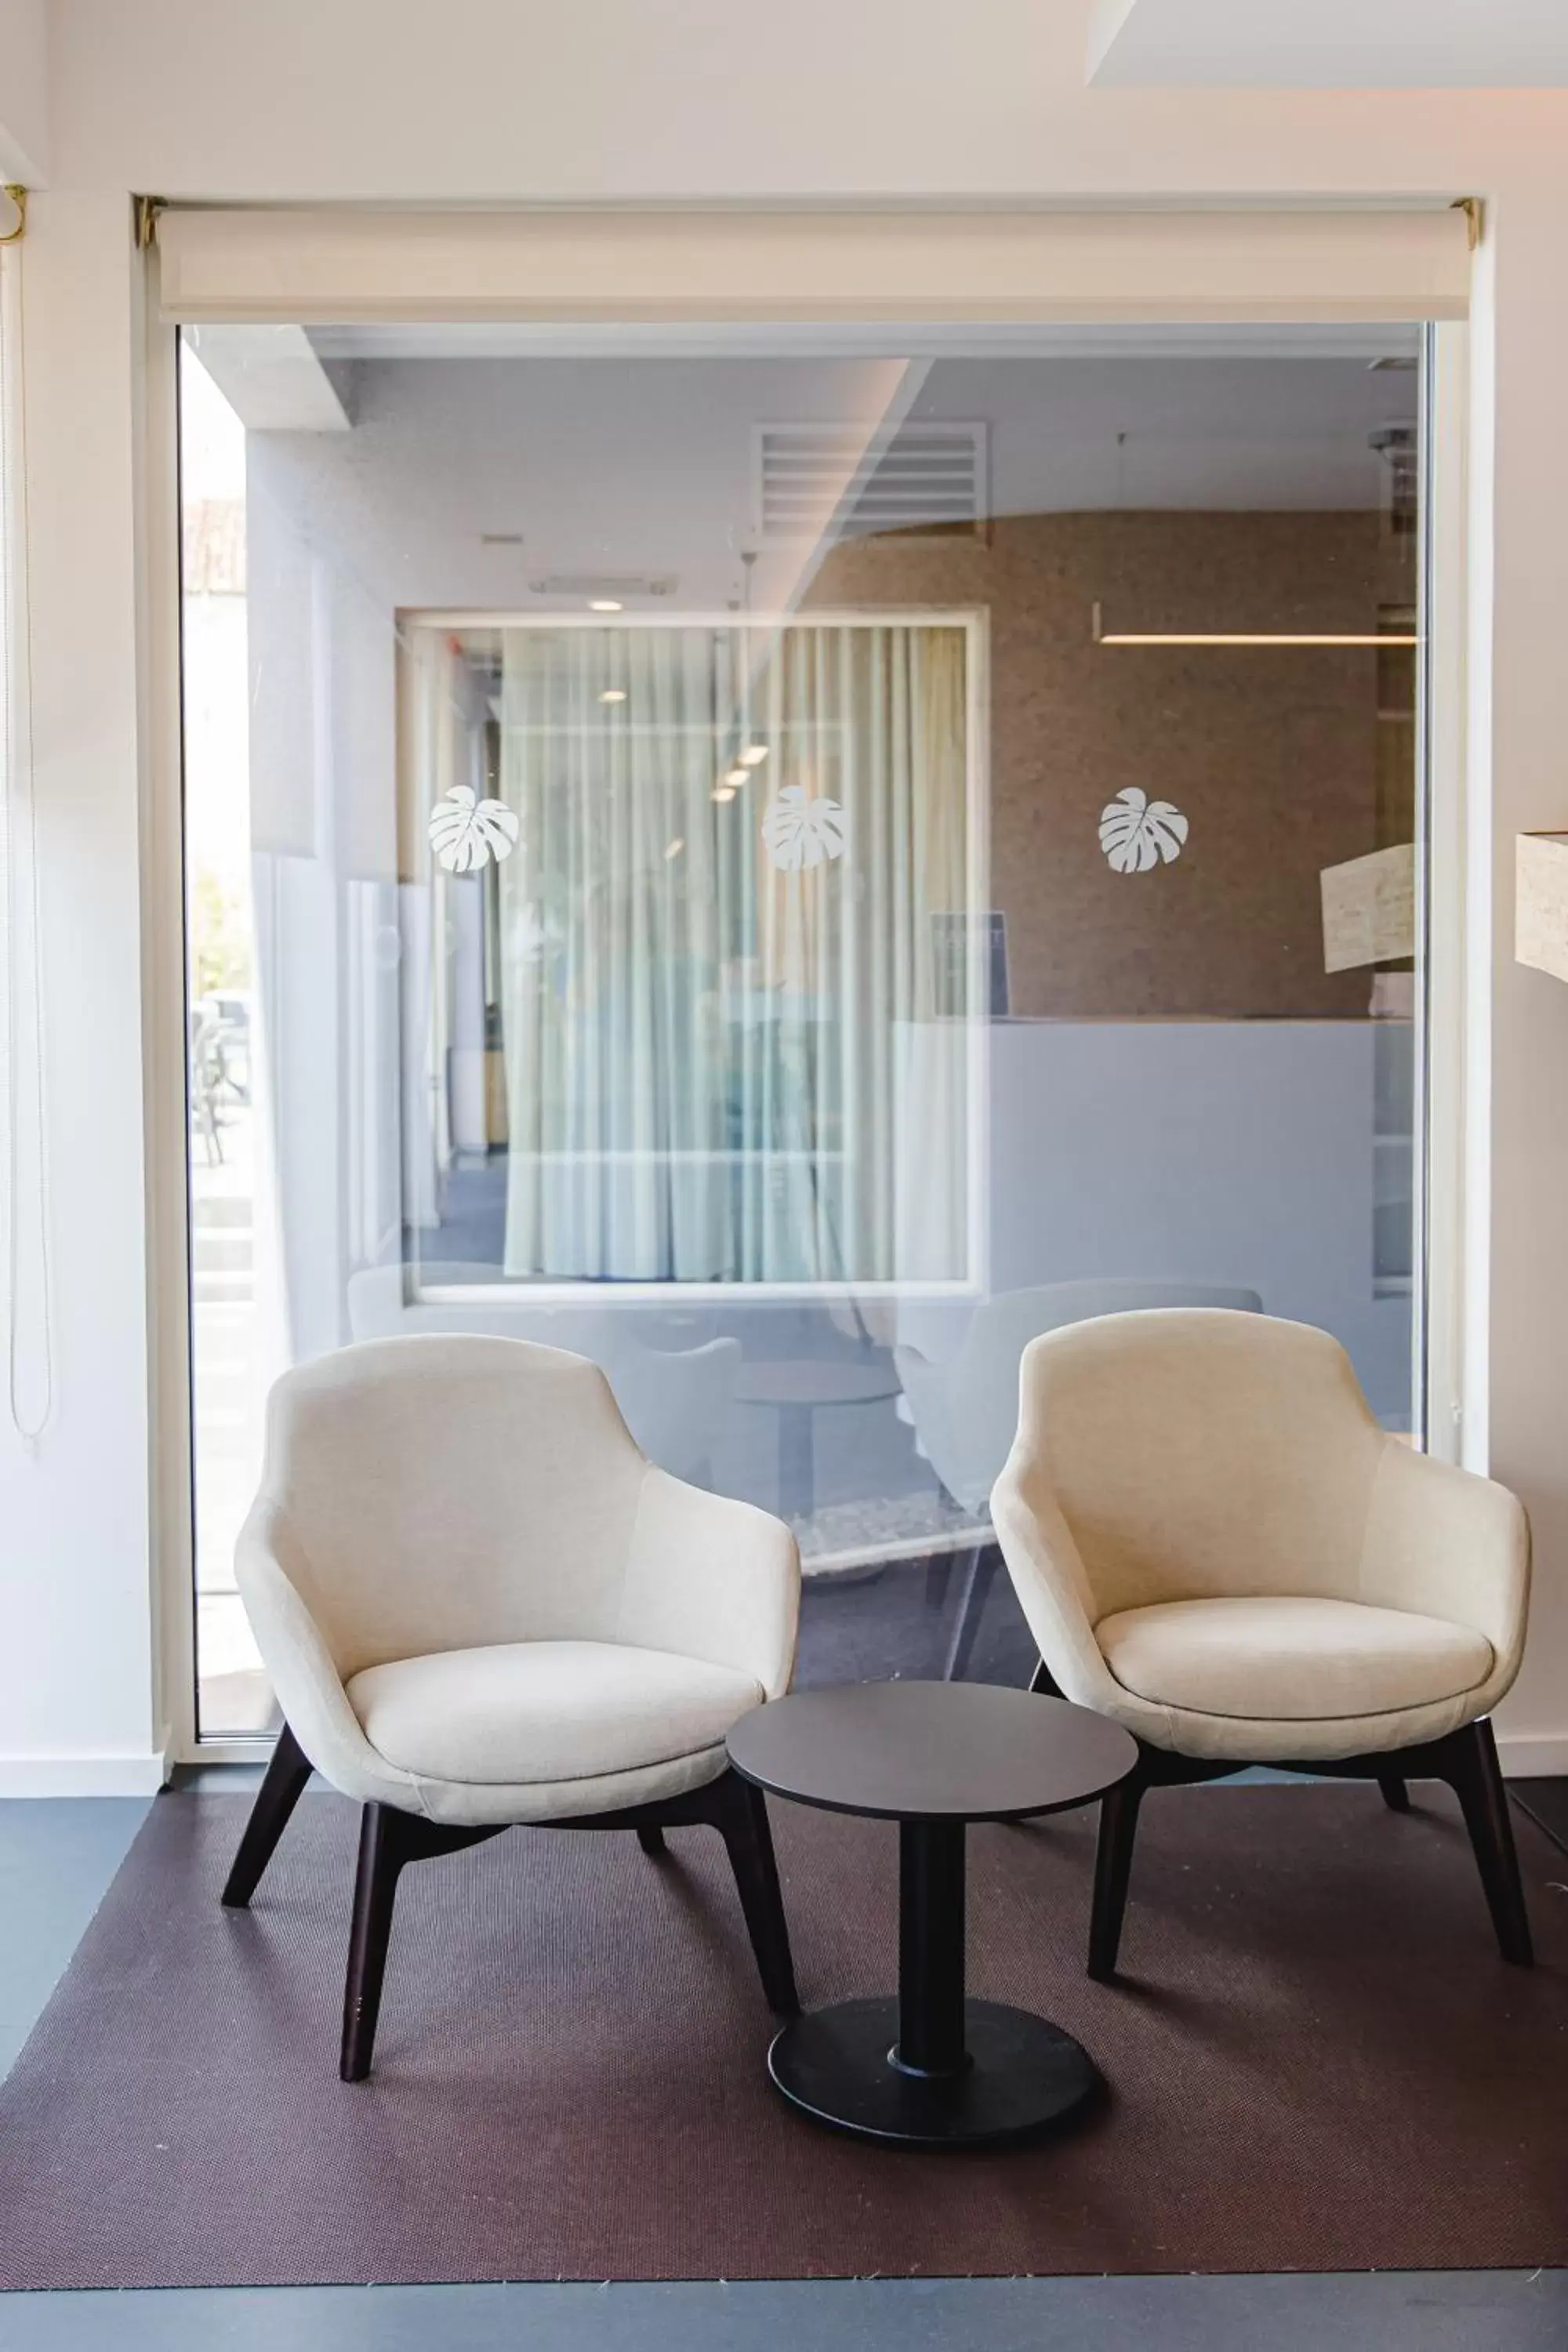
390, 1840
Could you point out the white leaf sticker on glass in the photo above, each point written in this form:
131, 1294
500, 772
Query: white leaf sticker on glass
467, 833
800, 831
1138, 833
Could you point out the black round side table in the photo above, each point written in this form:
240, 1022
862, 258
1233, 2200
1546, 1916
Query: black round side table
926, 2067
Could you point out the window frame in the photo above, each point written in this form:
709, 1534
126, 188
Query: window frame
1451, 1260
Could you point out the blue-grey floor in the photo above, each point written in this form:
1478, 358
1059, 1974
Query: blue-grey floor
58, 1856
1501, 2312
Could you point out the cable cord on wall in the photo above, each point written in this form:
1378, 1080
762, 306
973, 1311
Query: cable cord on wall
19, 862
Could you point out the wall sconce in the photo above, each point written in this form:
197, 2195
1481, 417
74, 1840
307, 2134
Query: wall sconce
1369, 908
1541, 902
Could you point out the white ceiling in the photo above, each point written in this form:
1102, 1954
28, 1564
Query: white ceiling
24, 92
464, 478
1330, 44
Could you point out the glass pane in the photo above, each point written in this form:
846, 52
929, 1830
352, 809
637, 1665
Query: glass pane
787, 871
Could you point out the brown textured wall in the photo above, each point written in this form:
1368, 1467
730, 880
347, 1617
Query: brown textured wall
1273, 755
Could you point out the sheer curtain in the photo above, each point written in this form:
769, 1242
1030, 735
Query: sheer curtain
713, 1051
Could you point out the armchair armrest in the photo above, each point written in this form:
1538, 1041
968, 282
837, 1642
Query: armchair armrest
711, 1579
1449, 1544
300, 1664
1050, 1581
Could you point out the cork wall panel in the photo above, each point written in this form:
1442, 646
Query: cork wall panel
1273, 754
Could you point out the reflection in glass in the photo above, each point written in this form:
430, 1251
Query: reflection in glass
767, 1017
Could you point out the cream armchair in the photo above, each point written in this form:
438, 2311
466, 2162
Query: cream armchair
1216, 1544
480, 1605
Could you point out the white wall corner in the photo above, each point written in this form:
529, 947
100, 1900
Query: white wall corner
25, 91
1106, 20
1333, 45
271, 378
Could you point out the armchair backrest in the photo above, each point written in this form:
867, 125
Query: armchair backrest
440, 1493
1196, 1454
965, 1412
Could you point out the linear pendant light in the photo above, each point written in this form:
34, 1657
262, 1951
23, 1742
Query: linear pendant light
1103, 636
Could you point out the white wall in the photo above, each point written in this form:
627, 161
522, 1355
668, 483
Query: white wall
76, 1612
700, 98
725, 98
23, 91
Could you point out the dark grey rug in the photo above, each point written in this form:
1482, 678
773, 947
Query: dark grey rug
1318, 2061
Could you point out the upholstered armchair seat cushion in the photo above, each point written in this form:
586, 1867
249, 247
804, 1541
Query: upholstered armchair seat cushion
1290, 1658
517, 1713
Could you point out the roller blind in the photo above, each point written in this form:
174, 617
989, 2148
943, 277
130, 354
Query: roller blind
341, 265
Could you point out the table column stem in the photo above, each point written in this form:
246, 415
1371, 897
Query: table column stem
931, 1948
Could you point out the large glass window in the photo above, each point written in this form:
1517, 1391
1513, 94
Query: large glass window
787, 873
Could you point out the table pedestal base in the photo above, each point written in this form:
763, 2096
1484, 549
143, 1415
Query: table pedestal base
1023, 2073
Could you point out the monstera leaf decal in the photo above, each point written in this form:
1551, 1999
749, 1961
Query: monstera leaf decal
467, 833
800, 831
1138, 833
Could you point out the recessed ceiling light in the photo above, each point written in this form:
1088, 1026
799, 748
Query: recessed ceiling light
614, 694
738, 776
753, 755
605, 605
722, 792
674, 847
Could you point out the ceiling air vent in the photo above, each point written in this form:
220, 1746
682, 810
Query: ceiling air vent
829, 480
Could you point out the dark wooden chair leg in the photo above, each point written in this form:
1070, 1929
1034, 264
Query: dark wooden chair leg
741, 1812
972, 1600
1396, 1795
1112, 1871
281, 1787
388, 1841
652, 1842
1043, 1682
1471, 1769
381, 1861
